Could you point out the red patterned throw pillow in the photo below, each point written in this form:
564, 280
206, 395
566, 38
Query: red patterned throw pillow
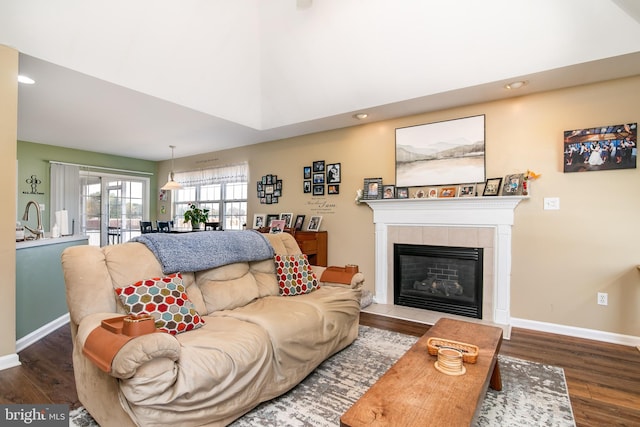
295, 275
164, 298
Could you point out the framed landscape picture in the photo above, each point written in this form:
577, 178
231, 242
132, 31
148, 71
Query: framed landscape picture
442, 153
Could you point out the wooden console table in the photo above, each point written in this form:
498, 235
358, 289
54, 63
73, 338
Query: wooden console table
314, 245
413, 393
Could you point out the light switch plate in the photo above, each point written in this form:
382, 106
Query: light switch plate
551, 203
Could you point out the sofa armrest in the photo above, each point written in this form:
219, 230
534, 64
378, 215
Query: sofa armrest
357, 281
142, 349
134, 353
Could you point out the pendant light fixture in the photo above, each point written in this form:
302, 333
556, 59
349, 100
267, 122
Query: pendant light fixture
171, 184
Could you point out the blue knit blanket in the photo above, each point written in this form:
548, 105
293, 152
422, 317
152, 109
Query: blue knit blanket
205, 249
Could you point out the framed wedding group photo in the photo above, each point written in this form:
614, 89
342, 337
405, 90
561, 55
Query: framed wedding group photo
601, 148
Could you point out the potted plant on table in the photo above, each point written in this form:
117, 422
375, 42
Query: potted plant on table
196, 216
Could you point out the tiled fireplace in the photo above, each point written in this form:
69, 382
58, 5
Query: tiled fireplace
474, 222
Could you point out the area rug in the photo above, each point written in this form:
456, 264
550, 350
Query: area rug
533, 394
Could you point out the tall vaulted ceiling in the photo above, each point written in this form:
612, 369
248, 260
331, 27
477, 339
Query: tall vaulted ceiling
133, 77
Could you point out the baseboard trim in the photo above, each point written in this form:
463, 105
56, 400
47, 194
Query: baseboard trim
572, 331
41, 332
9, 361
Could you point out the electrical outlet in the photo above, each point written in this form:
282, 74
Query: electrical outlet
603, 298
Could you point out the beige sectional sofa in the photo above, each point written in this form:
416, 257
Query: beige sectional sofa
254, 344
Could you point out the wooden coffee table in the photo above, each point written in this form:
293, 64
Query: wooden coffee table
413, 393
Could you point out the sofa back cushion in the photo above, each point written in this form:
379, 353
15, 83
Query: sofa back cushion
92, 274
236, 285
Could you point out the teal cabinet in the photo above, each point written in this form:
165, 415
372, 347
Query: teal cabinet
40, 291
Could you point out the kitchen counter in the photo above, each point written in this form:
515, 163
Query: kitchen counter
49, 241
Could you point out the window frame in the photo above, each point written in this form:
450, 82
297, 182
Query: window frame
180, 204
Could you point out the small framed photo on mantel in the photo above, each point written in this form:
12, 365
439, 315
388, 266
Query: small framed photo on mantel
402, 193
467, 190
492, 187
389, 191
513, 185
372, 189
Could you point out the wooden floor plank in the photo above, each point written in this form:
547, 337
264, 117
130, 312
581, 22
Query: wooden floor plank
603, 379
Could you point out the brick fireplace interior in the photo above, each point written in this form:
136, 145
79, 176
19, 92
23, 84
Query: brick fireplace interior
470, 237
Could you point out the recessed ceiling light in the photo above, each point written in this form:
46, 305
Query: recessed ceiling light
361, 116
515, 85
26, 80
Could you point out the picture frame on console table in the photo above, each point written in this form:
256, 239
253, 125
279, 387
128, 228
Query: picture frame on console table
277, 226
314, 223
492, 187
271, 218
288, 219
298, 224
259, 221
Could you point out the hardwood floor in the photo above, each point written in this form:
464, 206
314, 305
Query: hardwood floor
45, 375
603, 379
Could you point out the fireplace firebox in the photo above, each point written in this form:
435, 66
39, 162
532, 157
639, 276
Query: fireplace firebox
439, 278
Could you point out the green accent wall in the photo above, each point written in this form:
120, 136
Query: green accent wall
33, 159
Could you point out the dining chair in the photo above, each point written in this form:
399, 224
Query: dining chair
163, 226
146, 227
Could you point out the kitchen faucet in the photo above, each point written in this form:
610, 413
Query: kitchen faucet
39, 231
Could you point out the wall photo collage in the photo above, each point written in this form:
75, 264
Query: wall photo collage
321, 178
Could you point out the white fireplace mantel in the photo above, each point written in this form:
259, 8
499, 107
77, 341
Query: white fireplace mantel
496, 213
